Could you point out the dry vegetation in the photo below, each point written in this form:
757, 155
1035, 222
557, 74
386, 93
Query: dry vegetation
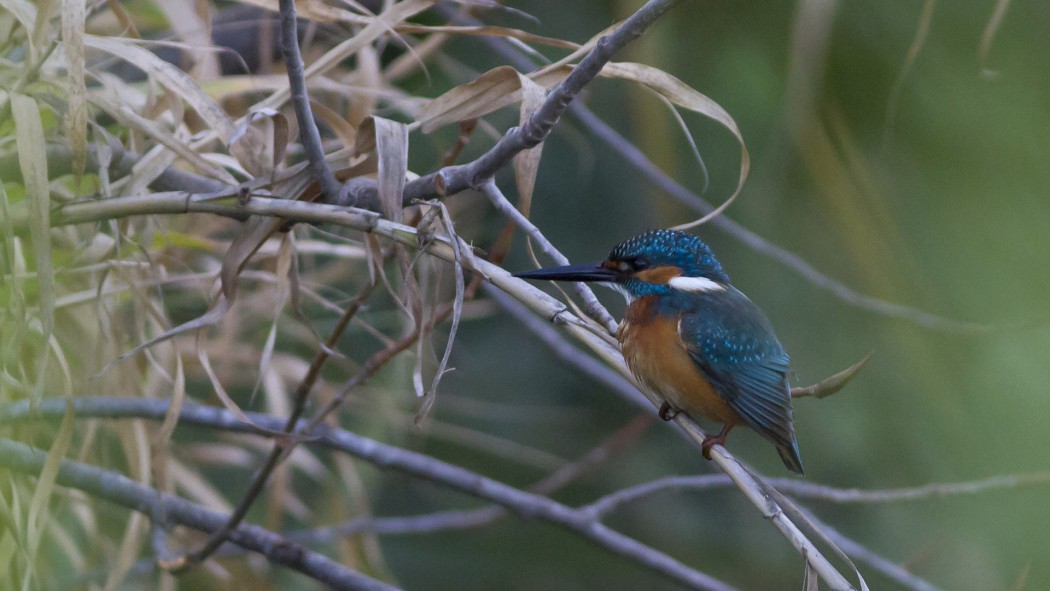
169, 243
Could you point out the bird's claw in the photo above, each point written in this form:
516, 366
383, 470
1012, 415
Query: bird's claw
668, 412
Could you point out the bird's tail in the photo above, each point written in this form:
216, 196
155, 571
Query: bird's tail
792, 459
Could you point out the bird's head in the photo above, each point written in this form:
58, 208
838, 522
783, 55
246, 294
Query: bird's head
658, 262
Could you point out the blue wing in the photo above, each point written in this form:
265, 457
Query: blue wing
732, 342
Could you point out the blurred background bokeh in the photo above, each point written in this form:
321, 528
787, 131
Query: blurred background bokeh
899, 148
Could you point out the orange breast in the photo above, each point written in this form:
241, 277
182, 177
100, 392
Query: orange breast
657, 356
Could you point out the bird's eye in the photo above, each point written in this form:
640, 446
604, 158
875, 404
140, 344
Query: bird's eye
640, 264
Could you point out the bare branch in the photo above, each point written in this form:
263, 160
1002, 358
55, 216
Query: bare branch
117, 488
528, 505
310, 136
281, 447
819, 492
453, 179
592, 307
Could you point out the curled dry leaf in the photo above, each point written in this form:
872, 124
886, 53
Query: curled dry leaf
492, 90
392, 146
527, 162
833, 383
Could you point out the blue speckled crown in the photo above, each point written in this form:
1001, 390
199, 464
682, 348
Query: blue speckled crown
673, 248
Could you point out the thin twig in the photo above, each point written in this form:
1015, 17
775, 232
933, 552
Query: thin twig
310, 136
818, 492
117, 488
475, 518
421, 466
592, 307
573, 357
281, 447
453, 179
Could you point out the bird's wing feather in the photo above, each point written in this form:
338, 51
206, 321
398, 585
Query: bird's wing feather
732, 342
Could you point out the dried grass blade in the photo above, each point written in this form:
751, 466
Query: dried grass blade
170, 77
112, 104
392, 148
457, 303
527, 162
38, 511
73, 17
833, 383
492, 90
24, 12
685, 96
377, 26
488, 31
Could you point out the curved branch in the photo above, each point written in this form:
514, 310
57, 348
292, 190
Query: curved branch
453, 179
119, 489
528, 505
308, 133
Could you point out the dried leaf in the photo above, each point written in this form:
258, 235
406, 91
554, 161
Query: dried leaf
527, 162
342, 128
683, 95
492, 90
831, 384
111, 102
392, 147
278, 132
168, 75
45, 485
488, 31
378, 25
73, 15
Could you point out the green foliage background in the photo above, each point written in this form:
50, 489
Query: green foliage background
943, 207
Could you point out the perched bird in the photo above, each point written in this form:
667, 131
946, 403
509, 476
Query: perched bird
693, 339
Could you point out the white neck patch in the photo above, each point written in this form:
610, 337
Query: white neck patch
620, 288
695, 284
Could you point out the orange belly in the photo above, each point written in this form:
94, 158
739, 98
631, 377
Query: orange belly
657, 356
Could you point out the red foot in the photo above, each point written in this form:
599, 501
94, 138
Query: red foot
720, 439
668, 412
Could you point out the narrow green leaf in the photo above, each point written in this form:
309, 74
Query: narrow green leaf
38, 509
32, 159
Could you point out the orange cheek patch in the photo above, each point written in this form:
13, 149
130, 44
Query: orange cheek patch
659, 275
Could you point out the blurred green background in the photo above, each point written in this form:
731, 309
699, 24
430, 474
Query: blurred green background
924, 185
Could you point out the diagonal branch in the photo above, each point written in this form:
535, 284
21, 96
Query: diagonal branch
119, 489
526, 504
453, 179
310, 136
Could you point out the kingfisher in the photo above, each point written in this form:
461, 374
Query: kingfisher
693, 339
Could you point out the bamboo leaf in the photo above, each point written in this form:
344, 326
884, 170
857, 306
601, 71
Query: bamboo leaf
168, 75
38, 510
32, 159
392, 148
527, 162
492, 90
73, 15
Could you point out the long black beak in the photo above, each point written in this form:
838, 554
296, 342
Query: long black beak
584, 272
